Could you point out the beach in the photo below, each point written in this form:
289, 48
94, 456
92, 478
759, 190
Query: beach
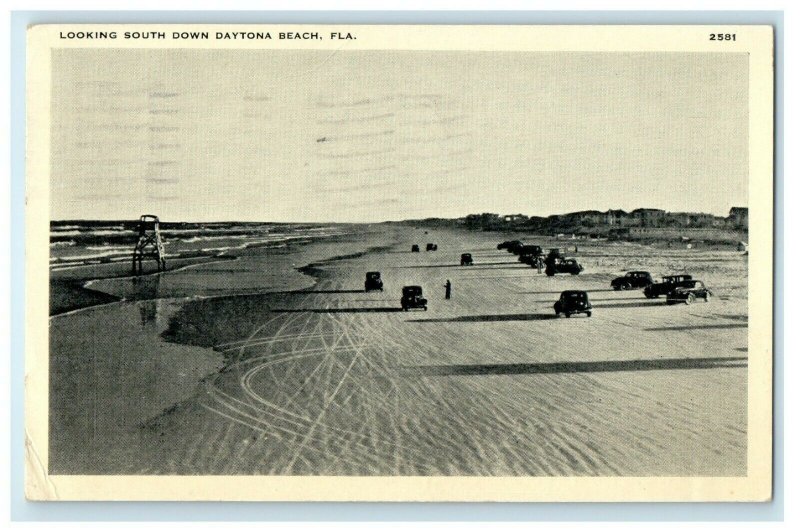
274, 361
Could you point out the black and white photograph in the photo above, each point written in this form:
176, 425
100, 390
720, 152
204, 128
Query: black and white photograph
294, 252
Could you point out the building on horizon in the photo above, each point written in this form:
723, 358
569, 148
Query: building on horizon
738, 217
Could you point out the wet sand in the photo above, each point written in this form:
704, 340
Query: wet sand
323, 379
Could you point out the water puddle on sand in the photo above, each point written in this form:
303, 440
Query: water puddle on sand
110, 371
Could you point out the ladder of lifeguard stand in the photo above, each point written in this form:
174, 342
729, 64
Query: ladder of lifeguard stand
149, 244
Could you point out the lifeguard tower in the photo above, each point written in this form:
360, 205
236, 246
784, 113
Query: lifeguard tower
149, 244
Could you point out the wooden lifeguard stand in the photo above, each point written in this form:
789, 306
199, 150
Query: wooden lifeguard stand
149, 244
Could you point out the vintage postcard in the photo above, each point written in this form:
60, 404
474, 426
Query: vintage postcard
399, 263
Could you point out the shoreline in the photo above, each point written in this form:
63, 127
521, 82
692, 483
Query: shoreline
82, 296
80, 292
73, 290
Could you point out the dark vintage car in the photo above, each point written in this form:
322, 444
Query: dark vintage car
373, 282
559, 265
528, 254
632, 280
466, 259
412, 298
689, 292
667, 284
514, 247
573, 302
508, 243
431, 247
415, 248
534, 261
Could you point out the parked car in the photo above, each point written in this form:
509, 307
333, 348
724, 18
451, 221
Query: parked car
534, 261
573, 302
508, 243
514, 247
430, 247
529, 253
667, 284
373, 282
412, 298
688, 292
632, 280
415, 248
466, 259
559, 265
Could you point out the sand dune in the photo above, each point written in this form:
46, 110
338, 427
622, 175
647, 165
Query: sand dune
335, 381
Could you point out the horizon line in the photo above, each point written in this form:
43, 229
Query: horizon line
231, 221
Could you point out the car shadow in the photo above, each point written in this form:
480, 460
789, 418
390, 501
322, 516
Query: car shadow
508, 266
575, 367
489, 318
337, 310
694, 327
634, 304
617, 299
558, 292
333, 291
735, 317
477, 266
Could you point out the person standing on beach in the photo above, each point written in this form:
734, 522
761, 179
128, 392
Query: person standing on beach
447, 287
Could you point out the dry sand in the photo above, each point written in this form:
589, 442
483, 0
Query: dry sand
330, 380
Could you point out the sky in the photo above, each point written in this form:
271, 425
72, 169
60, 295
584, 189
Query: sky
364, 136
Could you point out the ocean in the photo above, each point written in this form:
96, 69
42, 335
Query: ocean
83, 243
